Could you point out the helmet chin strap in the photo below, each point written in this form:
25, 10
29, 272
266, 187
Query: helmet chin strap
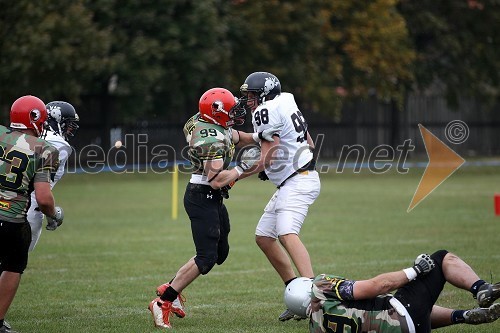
38, 133
211, 119
60, 130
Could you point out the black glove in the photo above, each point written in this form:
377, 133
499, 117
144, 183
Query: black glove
224, 191
263, 176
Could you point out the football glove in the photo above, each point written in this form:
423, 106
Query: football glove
224, 191
263, 176
55, 221
248, 159
268, 133
423, 264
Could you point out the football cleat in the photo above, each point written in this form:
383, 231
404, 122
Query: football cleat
482, 315
5, 328
487, 294
161, 311
177, 304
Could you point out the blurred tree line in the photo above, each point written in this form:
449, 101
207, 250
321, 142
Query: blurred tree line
123, 61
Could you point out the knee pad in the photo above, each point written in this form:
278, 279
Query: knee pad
204, 264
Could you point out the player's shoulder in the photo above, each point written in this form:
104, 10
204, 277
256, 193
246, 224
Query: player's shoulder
56, 140
24, 142
207, 133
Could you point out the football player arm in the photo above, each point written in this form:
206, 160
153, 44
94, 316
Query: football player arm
242, 139
217, 177
310, 142
266, 157
379, 285
44, 198
63, 158
386, 282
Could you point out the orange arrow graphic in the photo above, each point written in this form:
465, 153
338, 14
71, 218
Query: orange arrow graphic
443, 162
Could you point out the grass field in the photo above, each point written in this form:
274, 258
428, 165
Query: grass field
98, 272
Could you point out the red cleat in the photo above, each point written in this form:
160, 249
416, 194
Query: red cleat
177, 304
161, 311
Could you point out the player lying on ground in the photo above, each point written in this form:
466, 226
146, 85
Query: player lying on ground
333, 303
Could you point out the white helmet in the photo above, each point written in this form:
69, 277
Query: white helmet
298, 296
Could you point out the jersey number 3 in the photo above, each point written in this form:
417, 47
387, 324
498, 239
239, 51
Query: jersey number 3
18, 164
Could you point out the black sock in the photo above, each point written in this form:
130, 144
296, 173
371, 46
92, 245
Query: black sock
475, 287
1, 322
170, 294
287, 282
457, 316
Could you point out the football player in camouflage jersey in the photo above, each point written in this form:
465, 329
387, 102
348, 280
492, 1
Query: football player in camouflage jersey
26, 166
212, 143
337, 304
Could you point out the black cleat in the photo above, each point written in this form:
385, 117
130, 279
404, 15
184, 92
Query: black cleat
487, 294
482, 315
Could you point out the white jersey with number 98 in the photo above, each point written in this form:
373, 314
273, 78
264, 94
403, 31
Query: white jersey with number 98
293, 151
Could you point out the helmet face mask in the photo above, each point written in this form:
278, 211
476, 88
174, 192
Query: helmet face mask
238, 113
28, 112
63, 119
219, 106
297, 296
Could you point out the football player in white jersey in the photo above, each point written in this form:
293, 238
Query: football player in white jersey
62, 125
289, 164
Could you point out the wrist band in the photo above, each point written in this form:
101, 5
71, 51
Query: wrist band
239, 170
255, 137
411, 274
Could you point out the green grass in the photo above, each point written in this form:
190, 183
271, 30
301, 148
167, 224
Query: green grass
98, 272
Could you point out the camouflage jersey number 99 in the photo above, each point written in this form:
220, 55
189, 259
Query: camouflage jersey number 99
208, 142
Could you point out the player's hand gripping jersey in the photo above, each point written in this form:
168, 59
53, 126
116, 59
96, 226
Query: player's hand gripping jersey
333, 309
30, 157
207, 142
294, 151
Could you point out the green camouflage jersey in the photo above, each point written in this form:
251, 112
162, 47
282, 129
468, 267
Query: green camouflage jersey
333, 309
207, 142
189, 126
24, 160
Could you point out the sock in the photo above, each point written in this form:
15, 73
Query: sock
1, 322
457, 316
170, 294
475, 287
287, 282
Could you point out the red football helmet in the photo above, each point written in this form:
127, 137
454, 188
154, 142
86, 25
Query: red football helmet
28, 112
220, 107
